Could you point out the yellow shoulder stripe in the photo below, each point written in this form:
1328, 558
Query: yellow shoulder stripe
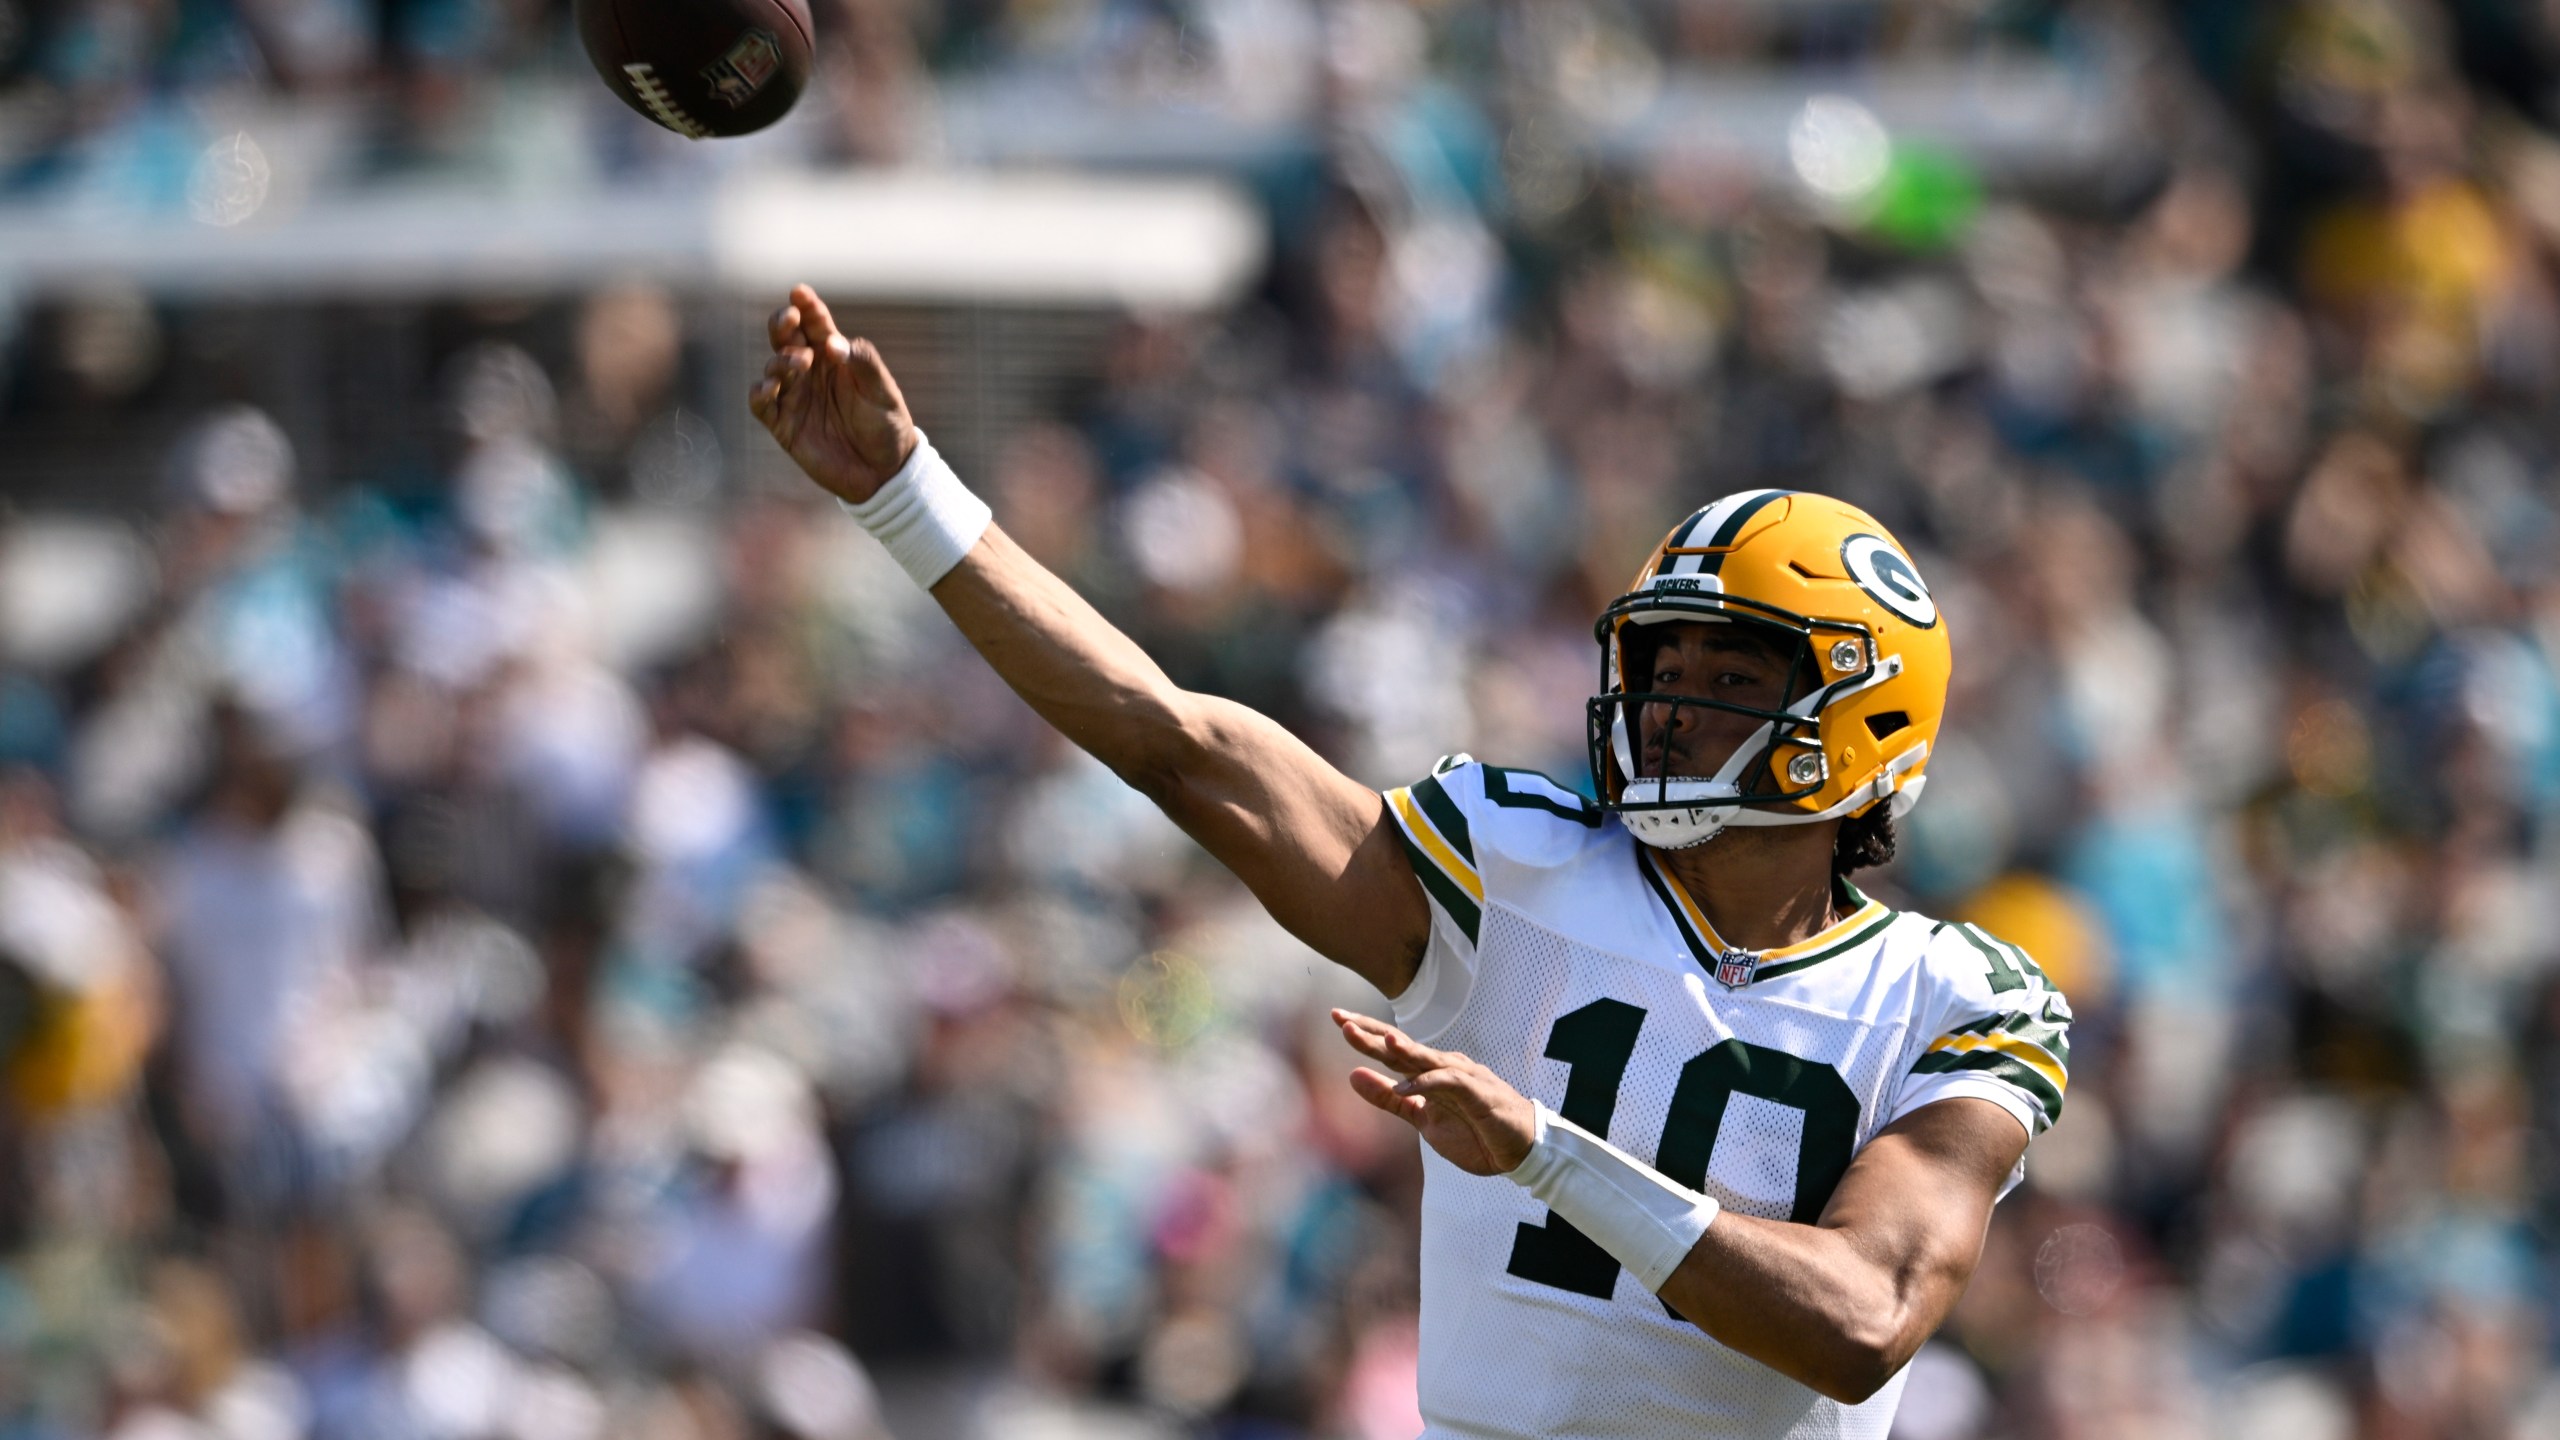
1442, 854
2026, 1052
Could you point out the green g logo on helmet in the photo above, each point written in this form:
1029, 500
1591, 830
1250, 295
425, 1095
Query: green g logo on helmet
1882, 572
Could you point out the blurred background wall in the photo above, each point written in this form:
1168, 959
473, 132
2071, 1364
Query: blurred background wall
516, 921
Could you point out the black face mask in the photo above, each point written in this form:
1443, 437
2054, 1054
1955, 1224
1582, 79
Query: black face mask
1629, 776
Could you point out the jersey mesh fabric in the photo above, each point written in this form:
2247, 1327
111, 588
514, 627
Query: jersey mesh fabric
1759, 1096
1758, 1144
1508, 1356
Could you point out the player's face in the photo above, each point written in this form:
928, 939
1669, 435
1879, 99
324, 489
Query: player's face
1731, 663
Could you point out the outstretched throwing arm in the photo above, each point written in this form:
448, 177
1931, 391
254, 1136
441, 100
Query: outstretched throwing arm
1315, 846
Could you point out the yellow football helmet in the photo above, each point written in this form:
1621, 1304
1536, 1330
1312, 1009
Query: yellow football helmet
1869, 668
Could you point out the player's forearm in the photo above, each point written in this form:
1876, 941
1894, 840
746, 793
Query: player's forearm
1802, 1300
1070, 664
1822, 1304
1315, 847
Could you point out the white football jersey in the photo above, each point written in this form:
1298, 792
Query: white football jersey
1567, 961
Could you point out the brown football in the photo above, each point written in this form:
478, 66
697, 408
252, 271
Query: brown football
700, 67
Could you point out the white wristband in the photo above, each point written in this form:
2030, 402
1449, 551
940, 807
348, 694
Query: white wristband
926, 517
1643, 1220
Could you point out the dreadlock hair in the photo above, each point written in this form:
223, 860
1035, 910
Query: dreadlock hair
1864, 840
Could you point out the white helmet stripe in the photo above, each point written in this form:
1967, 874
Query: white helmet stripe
1703, 526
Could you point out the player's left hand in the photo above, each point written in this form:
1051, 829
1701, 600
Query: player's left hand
1466, 1112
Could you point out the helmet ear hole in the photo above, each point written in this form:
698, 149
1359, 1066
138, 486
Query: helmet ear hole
1887, 722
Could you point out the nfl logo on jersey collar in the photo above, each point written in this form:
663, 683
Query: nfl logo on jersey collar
1734, 967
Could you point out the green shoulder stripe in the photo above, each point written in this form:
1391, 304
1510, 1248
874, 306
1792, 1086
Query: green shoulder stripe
1445, 816
2000, 1067
1460, 905
2053, 1037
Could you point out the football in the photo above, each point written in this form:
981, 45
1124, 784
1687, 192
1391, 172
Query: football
701, 67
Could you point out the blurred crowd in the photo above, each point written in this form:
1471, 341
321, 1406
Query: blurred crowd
578, 947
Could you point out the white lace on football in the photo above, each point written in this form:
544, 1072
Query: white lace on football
653, 93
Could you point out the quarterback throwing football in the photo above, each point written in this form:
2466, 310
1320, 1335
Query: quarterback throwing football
1712, 1139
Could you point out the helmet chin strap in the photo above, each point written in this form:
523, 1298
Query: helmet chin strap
1700, 823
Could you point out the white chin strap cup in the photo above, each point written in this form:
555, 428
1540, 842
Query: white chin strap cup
1719, 800
1679, 829
1718, 797
1718, 805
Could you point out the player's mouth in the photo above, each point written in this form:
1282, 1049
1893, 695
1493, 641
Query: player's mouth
1694, 751
1674, 757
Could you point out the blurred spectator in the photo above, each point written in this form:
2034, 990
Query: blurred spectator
271, 907
526, 931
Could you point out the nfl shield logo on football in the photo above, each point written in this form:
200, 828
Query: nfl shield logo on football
738, 75
1734, 968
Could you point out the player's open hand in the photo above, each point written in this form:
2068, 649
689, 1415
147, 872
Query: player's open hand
1466, 1112
830, 402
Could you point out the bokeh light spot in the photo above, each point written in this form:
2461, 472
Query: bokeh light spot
1839, 148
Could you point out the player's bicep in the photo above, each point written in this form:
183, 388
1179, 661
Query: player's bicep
1916, 1202
1319, 849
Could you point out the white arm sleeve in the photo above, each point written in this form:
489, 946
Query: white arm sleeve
1627, 1207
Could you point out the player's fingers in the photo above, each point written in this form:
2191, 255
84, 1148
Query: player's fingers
1370, 1025
1447, 1084
1380, 1091
816, 320
1402, 1050
1393, 1046
1366, 1043
783, 326
761, 399
789, 364
1383, 1043
871, 370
